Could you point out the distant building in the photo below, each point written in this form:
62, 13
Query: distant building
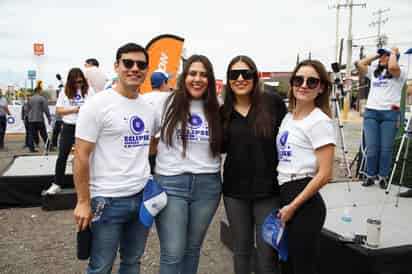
275, 82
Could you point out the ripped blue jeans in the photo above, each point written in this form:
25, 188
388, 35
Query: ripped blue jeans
116, 226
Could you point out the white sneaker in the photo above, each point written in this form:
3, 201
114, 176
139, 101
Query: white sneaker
53, 189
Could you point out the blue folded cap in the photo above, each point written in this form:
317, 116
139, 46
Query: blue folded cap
383, 51
154, 200
275, 235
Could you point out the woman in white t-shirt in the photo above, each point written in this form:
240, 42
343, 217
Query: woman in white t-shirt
382, 112
188, 166
306, 143
68, 104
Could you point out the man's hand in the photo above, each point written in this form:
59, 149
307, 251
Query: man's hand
83, 215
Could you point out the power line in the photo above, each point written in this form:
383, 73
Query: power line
382, 39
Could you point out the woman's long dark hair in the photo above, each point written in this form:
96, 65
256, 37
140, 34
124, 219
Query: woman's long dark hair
70, 88
260, 118
178, 108
322, 100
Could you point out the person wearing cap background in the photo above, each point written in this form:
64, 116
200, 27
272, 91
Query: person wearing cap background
96, 78
382, 112
160, 91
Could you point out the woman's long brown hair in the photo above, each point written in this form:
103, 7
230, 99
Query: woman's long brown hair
177, 108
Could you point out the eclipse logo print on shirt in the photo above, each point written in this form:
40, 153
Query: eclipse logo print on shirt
380, 82
139, 134
285, 152
78, 100
197, 131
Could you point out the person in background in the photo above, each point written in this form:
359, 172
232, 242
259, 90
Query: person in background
382, 112
58, 123
160, 90
188, 166
37, 107
306, 144
25, 119
251, 120
76, 93
4, 111
96, 78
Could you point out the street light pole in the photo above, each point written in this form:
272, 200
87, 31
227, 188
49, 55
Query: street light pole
337, 35
346, 104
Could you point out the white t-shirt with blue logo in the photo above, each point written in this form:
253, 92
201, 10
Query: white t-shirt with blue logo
77, 101
198, 158
297, 141
121, 128
385, 93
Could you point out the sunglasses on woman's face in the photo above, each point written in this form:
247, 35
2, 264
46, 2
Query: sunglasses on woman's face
311, 82
79, 82
129, 63
247, 74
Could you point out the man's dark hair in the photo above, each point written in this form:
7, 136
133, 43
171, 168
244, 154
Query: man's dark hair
131, 47
92, 62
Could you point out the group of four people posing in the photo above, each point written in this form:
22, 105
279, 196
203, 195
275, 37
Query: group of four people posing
275, 158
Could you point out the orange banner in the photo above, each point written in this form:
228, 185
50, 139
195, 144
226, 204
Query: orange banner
164, 53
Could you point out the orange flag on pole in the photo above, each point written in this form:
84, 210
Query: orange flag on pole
164, 53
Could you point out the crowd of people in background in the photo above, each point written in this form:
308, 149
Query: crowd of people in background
276, 156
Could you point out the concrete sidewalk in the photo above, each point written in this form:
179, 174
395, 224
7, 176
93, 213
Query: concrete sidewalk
353, 117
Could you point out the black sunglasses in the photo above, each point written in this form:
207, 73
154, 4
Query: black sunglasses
129, 63
247, 74
79, 82
311, 82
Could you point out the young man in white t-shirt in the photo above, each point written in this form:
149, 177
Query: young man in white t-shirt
382, 113
111, 165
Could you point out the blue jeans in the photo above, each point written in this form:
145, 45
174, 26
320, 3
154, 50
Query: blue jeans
183, 223
116, 224
380, 128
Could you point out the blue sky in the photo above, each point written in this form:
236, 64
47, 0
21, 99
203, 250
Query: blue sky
271, 32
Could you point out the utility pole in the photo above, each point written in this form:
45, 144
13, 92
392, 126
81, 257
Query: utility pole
349, 4
337, 7
363, 83
382, 39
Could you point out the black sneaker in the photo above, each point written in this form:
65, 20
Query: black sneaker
369, 181
383, 182
406, 194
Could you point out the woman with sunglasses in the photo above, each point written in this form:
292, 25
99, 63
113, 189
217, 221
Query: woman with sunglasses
188, 166
306, 144
251, 120
76, 92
